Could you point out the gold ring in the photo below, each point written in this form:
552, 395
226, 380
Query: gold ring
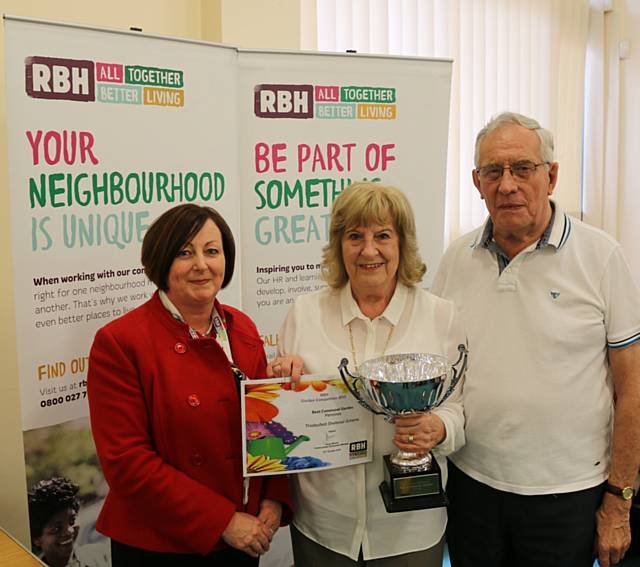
410, 438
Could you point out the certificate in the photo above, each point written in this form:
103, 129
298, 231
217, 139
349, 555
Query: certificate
291, 429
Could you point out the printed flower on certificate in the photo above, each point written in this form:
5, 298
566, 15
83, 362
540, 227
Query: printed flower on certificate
317, 385
257, 399
257, 430
265, 392
264, 464
338, 383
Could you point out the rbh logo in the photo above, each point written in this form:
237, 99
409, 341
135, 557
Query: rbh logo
357, 449
67, 79
283, 101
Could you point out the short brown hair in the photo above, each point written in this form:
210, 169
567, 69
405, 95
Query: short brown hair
363, 204
172, 230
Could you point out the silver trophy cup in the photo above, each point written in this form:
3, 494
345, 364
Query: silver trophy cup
403, 384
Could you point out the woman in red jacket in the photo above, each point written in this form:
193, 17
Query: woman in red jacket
165, 409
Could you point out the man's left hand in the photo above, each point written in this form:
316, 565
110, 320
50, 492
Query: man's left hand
613, 532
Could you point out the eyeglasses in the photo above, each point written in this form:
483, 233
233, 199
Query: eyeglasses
520, 170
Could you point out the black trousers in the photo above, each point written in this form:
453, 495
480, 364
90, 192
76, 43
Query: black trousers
126, 556
501, 529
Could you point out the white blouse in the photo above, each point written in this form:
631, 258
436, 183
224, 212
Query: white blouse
342, 509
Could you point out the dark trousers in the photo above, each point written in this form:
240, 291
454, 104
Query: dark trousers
126, 556
501, 529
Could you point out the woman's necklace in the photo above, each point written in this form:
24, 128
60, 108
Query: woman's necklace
353, 346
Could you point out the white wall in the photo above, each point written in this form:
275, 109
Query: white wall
258, 24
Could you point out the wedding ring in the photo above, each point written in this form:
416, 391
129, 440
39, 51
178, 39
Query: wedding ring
410, 438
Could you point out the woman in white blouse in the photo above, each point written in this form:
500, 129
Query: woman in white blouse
371, 307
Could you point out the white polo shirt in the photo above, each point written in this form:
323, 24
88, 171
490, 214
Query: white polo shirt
342, 509
538, 399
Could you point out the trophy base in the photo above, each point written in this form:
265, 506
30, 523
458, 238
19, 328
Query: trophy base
404, 490
409, 504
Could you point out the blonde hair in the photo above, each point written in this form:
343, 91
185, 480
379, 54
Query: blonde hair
364, 204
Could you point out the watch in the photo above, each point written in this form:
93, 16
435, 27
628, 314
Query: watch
625, 493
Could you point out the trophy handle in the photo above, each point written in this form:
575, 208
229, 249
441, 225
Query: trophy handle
344, 372
458, 373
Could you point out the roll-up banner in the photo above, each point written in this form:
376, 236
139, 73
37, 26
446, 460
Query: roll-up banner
107, 129
312, 123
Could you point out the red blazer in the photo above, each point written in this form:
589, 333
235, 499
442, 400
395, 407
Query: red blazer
165, 417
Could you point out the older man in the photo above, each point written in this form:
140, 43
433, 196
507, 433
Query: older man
552, 397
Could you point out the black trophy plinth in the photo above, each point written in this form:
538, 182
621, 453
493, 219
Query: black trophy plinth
403, 490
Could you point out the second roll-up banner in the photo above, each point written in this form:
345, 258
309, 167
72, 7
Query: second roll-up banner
309, 125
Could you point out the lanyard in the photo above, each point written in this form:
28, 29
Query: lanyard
222, 337
221, 334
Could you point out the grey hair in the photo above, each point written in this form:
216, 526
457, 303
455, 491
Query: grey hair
546, 137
